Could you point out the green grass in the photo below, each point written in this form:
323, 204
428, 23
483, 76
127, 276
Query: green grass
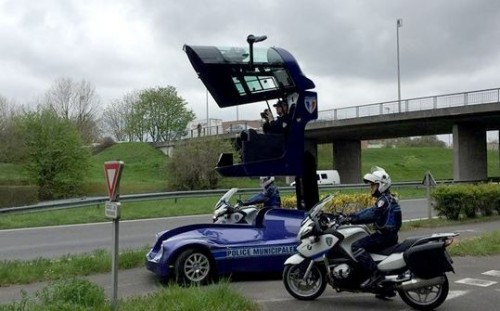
144, 210
130, 210
77, 294
145, 167
410, 163
483, 245
144, 171
443, 222
44, 269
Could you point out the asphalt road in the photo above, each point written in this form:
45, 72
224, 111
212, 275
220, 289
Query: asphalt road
50, 242
475, 286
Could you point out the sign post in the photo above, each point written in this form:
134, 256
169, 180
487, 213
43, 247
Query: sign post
113, 171
429, 182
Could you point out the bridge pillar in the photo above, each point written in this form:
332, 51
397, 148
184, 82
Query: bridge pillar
469, 153
347, 160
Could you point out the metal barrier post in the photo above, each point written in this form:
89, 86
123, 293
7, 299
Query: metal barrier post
429, 182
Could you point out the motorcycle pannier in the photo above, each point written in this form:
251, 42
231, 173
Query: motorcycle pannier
428, 260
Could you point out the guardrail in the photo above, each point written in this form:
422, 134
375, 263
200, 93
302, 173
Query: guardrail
81, 202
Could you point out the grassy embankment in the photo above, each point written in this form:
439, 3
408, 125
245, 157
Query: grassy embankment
145, 171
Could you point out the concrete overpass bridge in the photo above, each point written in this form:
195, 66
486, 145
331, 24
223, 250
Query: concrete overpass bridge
468, 116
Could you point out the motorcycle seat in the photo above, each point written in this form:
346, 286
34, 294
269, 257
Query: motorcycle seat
400, 247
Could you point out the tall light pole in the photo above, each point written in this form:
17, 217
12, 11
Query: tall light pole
399, 23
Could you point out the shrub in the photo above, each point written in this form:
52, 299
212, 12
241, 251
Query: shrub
192, 164
105, 143
18, 195
456, 201
345, 203
56, 161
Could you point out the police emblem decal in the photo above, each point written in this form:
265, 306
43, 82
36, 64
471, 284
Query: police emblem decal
310, 103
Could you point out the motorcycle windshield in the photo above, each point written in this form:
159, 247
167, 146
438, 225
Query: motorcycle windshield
226, 197
232, 79
319, 206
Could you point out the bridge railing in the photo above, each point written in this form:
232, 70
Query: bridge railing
415, 104
391, 107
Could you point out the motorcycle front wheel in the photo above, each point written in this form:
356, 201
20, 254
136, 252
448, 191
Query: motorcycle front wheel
309, 288
426, 298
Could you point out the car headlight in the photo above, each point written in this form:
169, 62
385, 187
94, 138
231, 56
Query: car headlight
158, 255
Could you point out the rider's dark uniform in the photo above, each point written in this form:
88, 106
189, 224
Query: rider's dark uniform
386, 215
270, 197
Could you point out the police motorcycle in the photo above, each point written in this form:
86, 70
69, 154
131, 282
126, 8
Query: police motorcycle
225, 213
415, 268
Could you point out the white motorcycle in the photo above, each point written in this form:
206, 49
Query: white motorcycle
415, 268
225, 213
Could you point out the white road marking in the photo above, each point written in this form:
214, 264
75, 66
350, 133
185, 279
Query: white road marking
456, 293
492, 273
476, 282
451, 295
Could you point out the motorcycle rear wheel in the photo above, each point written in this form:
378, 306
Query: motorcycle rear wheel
310, 288
426, 298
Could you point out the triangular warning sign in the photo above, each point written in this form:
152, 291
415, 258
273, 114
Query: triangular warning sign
112, 171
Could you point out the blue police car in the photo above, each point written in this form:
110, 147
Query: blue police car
200, 253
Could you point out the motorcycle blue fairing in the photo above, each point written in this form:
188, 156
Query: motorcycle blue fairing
234, 248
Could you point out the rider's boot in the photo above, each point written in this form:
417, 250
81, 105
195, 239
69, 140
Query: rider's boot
386, 293
373, 281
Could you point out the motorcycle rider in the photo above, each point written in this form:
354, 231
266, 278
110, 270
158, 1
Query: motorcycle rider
269, 196
385, 215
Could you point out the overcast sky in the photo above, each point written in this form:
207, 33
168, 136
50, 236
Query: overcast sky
348, 48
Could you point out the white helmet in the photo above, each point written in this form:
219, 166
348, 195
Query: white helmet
265, 181
378, 176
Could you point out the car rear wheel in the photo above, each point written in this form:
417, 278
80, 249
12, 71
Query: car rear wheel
192, 267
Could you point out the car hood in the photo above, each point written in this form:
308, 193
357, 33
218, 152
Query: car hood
277, 224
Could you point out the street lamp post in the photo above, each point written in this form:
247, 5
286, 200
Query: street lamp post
399, 23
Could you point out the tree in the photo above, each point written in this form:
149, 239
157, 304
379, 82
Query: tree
192, 165
160, 114
10, 149
77, 102
56, 160
115, 116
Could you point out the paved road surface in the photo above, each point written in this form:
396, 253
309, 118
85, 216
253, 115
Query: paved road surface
49, 242
467, 286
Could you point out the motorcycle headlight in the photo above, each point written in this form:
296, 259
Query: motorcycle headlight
304, 232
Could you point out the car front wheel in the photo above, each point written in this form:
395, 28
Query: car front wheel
192, 267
